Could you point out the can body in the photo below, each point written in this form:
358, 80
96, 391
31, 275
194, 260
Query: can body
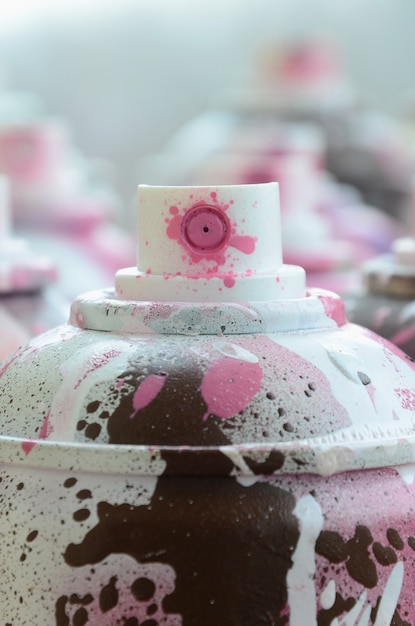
102, 549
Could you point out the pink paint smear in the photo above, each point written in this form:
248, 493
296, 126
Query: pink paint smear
333, 308
28, 445
229, 386
147, 391
407, 397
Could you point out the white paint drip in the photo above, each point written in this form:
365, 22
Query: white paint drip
387, 606
302, 595
364, 620
248, 478
235, 352
390, 597
406, 472
300, 578
78, 376
328, 595
346, 361
353, 615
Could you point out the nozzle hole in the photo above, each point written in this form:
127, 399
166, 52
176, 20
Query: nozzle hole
205, 229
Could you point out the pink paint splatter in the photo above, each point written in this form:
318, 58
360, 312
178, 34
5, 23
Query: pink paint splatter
371, 390
333, 308
148, 390
173, 228
15, 356
229, 386
243, 243
407, 397
156, 311
229, 282
28, 445
79, 320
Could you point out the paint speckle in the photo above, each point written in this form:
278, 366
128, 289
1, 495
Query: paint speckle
407, 397
143, 589
108, 597
229, 282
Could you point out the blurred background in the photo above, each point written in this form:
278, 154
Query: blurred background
126, 74
97, 97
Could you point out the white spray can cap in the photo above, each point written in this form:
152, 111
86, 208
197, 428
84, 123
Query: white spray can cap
216, 243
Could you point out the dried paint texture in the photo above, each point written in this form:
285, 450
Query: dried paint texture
225, 392
90, 386
203, 559
197, 545
188, 550
134, 391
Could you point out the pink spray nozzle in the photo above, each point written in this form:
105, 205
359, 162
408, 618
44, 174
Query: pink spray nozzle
205, 229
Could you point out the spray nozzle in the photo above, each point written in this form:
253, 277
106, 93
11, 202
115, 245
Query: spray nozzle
205, 229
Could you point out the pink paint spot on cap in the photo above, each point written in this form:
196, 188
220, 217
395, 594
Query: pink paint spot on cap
243, 243
229, 282
229, 386
147, 391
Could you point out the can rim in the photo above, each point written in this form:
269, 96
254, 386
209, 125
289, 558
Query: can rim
323, 458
